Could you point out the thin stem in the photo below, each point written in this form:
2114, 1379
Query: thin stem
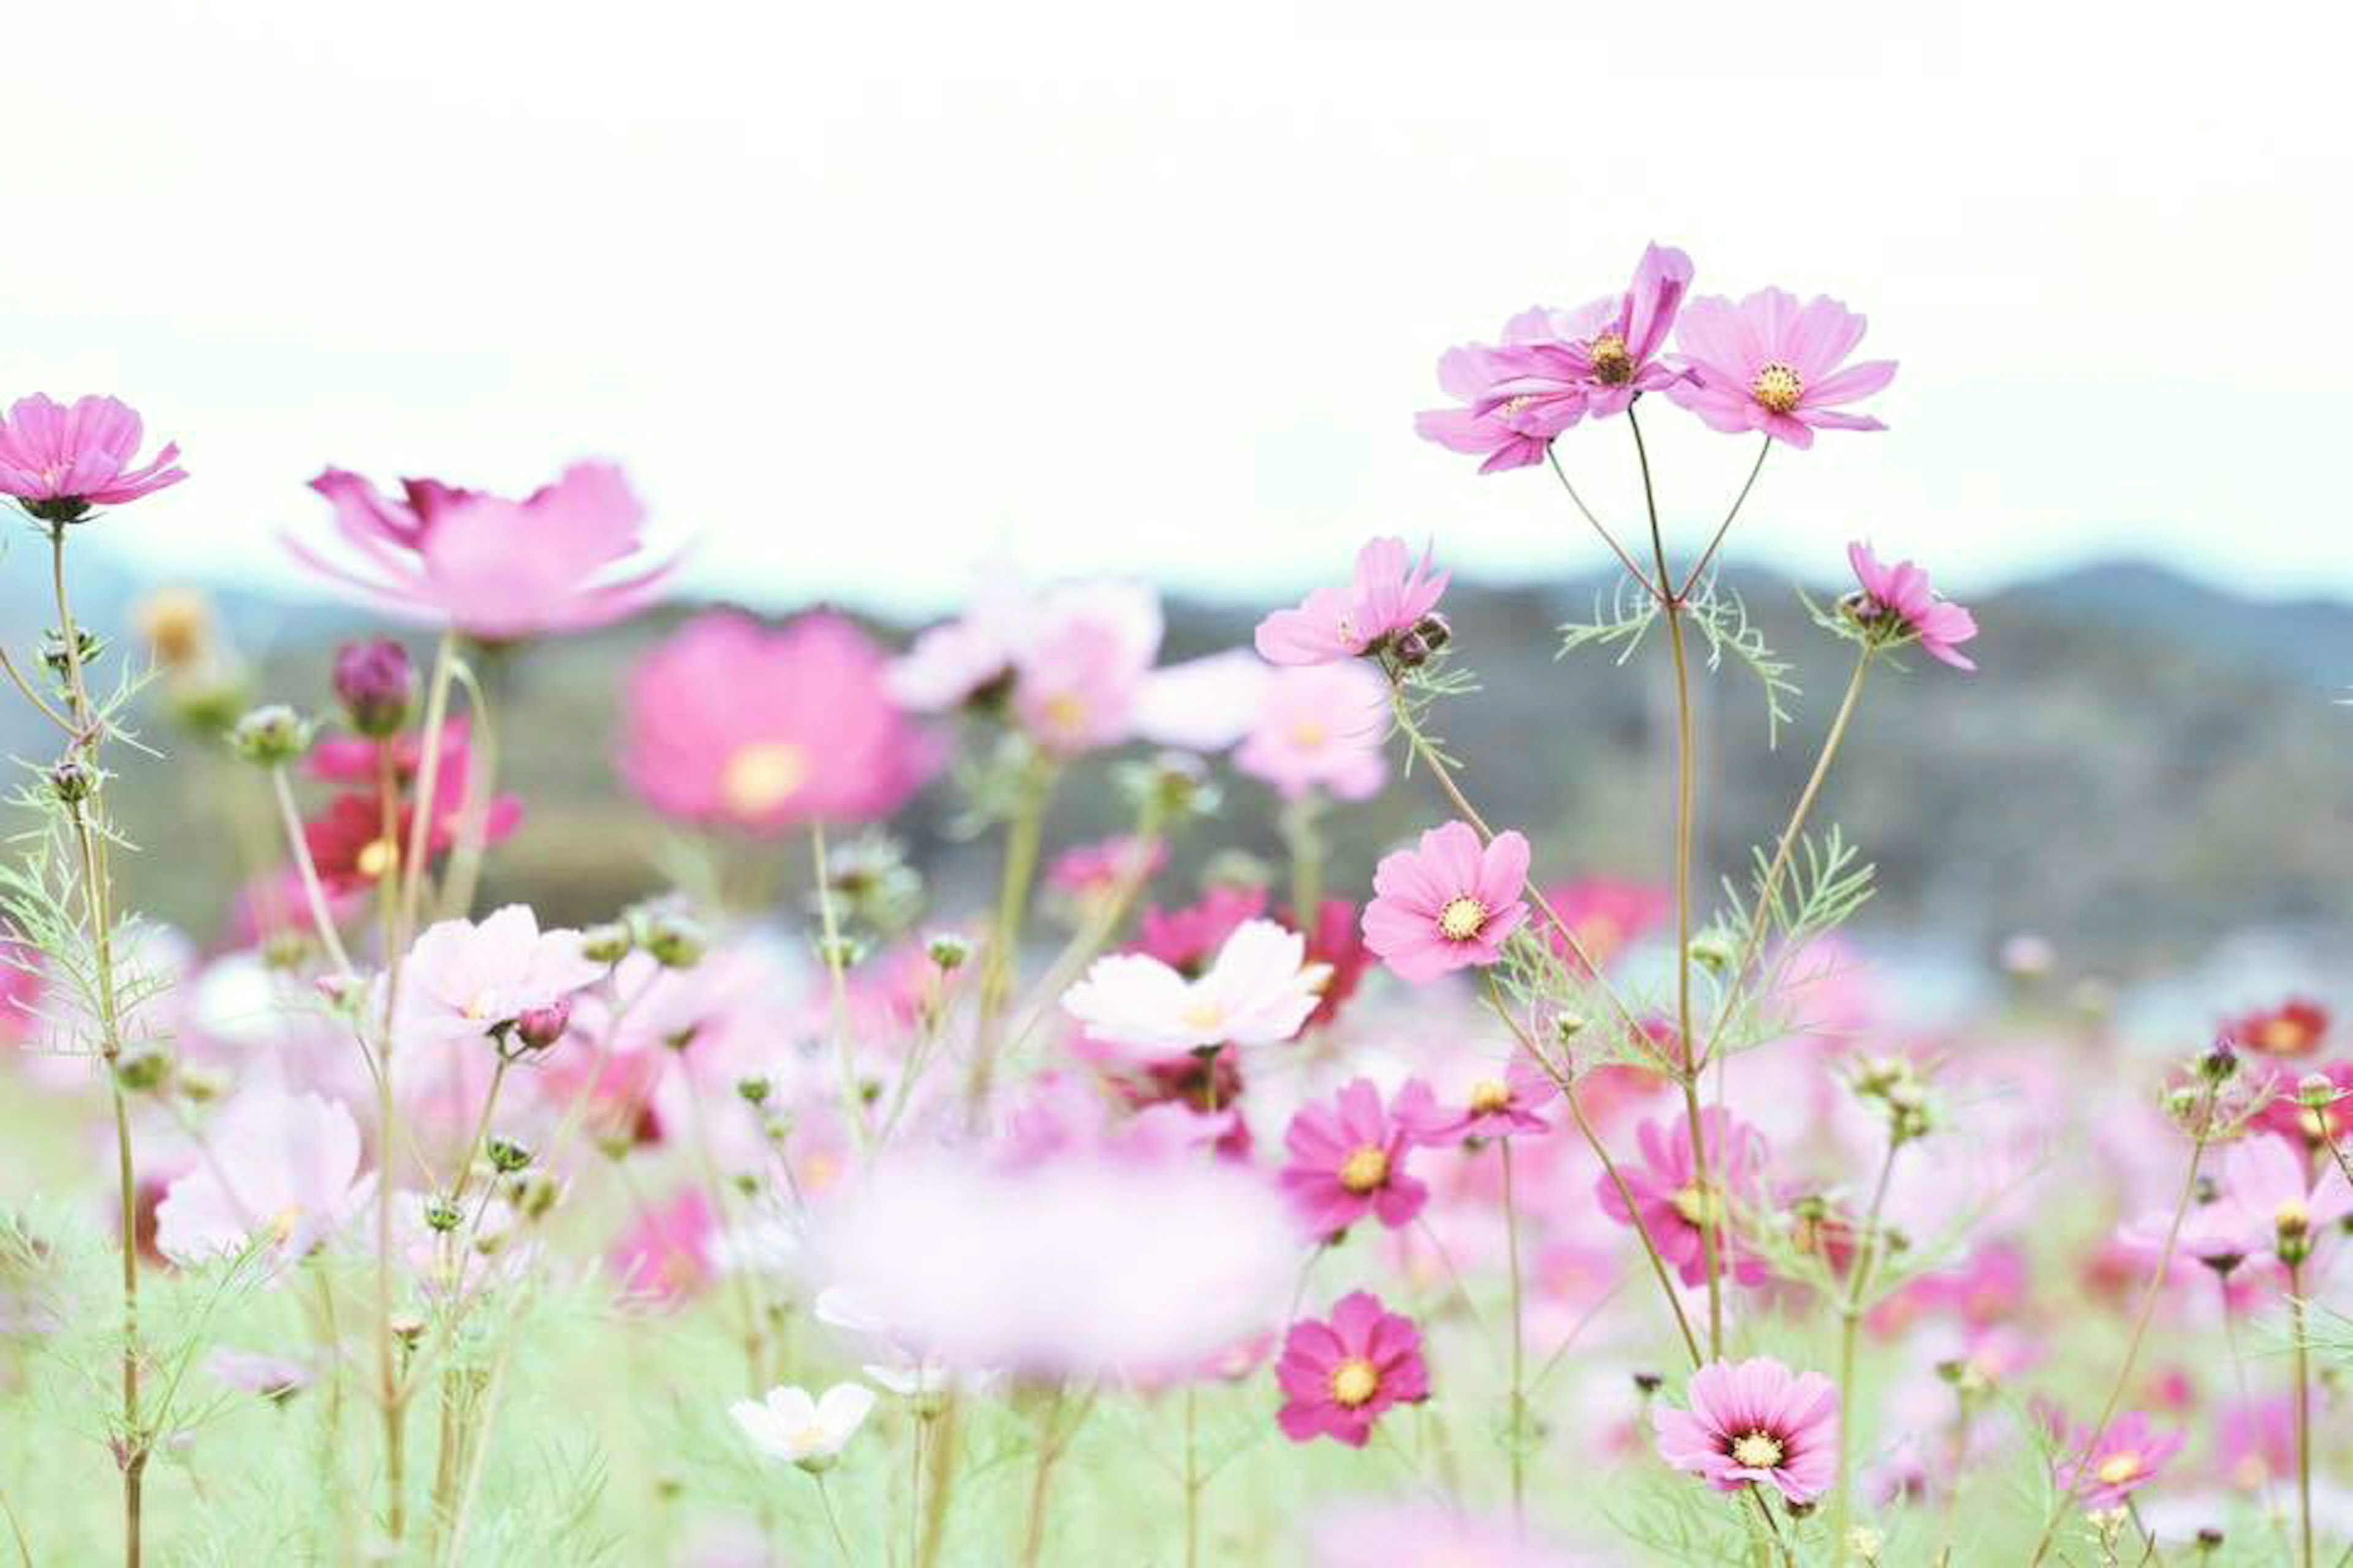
1866, 1257
1607, 538
1692, 578
832, 1523
1002, 957
1304, 839
853, 1105
1519, 1349
2303, 1375
323, 919
35, 697
465, 869
1193, 1483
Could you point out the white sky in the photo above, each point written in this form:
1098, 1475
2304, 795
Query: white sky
864, 295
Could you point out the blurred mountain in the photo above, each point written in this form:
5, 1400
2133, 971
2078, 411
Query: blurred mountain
2144, 766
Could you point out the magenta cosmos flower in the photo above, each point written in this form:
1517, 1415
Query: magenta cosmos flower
1497, 1104
1347, 1161
1896, 602
1769, 364
1756, 1423
728, 722
1556, 367
1339, 1376
494, 568
1449, 904
2126, 1457
62, 461
1389, 595
1673, 1205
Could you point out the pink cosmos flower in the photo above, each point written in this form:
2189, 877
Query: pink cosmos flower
2306, 1127
281, 1167
669, 1254
1339, 1376
1896, 602
1374, 1532
1094, 871
2274, 1205
494, 568
1320, 728
1347, 1160
1259, 991
1388, 597
729, 722
1768, 363
347, 844
464, 981
1673, 1206
1605, 915
1495, 1105
2129, 1456
62, 461
1185, 938
1448, 904
1756, 1422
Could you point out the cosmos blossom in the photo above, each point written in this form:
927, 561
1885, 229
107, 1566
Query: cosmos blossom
1499, 1103
1673, 1205
347, 842
791, 1425
60, 461
1756, 1422
2271, 1203
2293, 1029
1772, 365
463, 981
1259, 991
1347, 1161
1449, 903
1320, 729
2126, 1457
276, 1167
1340, 1375
1389, 595
1896, 605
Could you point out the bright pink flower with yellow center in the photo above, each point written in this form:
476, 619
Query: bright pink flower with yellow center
1339, 1376
732, 724
1772, 365
1501, 1101
1678, 1211
1388, 598
1896, 605
1448, 904
60, 461
2126, 1458
1756, 1423
1347, 1161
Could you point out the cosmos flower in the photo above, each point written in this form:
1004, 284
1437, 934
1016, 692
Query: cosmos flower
1259, 991
1896, 606
2126, 1457
1672, 1204
1340, 1375
1449, 903
1187, 938
1388, 596
729, 722
1769, 364
463, 981
670, 1253
1347, 1161
790, 1425
2294, 1028
2272, 1205
347, 842
1320, 728
568, 557
278, 1167
61, 461
1495, 1104
1756, 1422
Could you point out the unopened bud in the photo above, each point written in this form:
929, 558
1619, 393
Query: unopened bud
2316, 1091
143, 1068
753, 1089
507, 1156
271, 735
443, 1216
1434, 631
675, 941
73, 781
376, 685
1713, 950
606, 944
200, 1085
534, 1193
948, 950
2219, 1062
537, 1028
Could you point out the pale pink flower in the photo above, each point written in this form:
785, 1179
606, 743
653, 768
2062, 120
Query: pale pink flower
1347, 1161
1769, 364
276, 1168
2272, 1205
1756, 1422
730, 722
1259, 991
1381, 1533
61, 461
1448, 904
1320, 728
1896, 602
1339, 1376
1497, 1103
1092, 870
566, 558
670, 1253
463, 981
1388, 598
2126, 1457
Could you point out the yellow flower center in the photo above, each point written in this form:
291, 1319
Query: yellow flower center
2315, 1125
2283, 1036
1700, 1205
1511, 405
1309, 734
2292, 1217
1612, 365
1066, 713
2118, 1468
1461, 919
1355, 1382
1490, 1095
283, 1224
375, 858
1778, 387
762, 776
1204, 1017
1366, 1169
1756, 1451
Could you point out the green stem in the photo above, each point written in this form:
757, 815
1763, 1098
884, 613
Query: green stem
1002, 956
853, 1105
1866, 1258
2303, 1375
323, 919
1519, 1407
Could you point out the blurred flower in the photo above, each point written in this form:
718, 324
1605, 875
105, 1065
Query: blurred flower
1379, 1532
347, 843
2293, 1029
810, 1433
1320, 728
62, 461
2307, 1127
275, 1377
670, 1253
1185, 938
2128, 1456
1897, 605
1449, 903
1347, 1160
278, 1167
493, 568
376, 685
1259, 991
1338, 1376
1769, 364
1495, 1105
1388, 598
1092, 870
1755, 1421
1673, 1205
2271, 1204
463, 981
730, 722
1605, 915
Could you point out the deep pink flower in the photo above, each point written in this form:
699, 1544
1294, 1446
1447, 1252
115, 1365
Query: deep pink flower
2127, 1459
1756, 1422
347, 843
62, 461
667, 1255
1497, 1104
1185, 938
1335, 940
1672, 1204
2293, 1029
1338, 1376
1605, 915
730, 722
2307, 1127
1769, 364
1320, 728
1897, 603
1347, 1160
1449, 903
1388, 598
494, 568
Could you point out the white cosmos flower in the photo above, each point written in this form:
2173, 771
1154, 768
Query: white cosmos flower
1259, 991
811, 1433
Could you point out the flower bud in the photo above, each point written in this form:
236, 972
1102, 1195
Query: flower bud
271, 735
143, 1068
534, 1193
1434, 631
87, 644
1410, 650
73, 781
675, 941
443, 1216
1648, 1382
754, 1090
606, 944
376, 685
1713, 950
537, 1028
507, 1156
948, 950
201, 1084
2316, 1091
2219, 1062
